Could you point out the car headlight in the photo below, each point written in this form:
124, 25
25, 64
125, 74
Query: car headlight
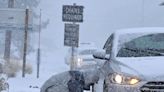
79, 62
118, 79
125, 80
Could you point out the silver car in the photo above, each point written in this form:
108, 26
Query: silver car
135, 62
83, 59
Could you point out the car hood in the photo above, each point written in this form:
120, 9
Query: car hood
151, 67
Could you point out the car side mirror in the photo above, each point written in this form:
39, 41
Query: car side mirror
101, 55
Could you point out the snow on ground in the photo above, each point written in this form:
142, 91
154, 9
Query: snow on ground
51, 64
30, 82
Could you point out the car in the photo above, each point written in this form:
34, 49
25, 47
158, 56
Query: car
82, 75
83, 59
134, 60
84, 62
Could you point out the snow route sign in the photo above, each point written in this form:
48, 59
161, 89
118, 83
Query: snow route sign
72, 13
14, 19
71, 35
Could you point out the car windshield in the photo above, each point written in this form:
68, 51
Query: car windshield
141, 45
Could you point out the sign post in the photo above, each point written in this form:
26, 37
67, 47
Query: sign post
25, 42
72, 13
8, 37
71, 35
71, 38
13, 19
39, 50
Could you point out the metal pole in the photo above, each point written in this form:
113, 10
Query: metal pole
25, 43
73, 61
38, 57
8, 36
73, 58
38, 62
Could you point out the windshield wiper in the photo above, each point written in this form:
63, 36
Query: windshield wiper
149, 51
154, 51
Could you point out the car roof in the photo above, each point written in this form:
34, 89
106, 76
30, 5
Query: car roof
86, 46
140, 30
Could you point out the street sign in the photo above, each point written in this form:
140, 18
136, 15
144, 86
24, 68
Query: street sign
71, 35
72, 13
14, 19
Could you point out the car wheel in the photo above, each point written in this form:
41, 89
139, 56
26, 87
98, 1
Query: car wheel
105, 88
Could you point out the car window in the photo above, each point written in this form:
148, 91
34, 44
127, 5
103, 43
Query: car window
147, 45
108, 44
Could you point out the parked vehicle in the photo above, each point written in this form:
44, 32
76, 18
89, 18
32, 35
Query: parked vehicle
135, 62
83, 75
85, 63
83, 59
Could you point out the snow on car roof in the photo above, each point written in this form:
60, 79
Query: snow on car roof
86, 46
141, 30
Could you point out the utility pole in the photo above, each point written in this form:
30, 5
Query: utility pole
25, 42
39, 51
8, 36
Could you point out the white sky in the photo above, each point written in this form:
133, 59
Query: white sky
101, 17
